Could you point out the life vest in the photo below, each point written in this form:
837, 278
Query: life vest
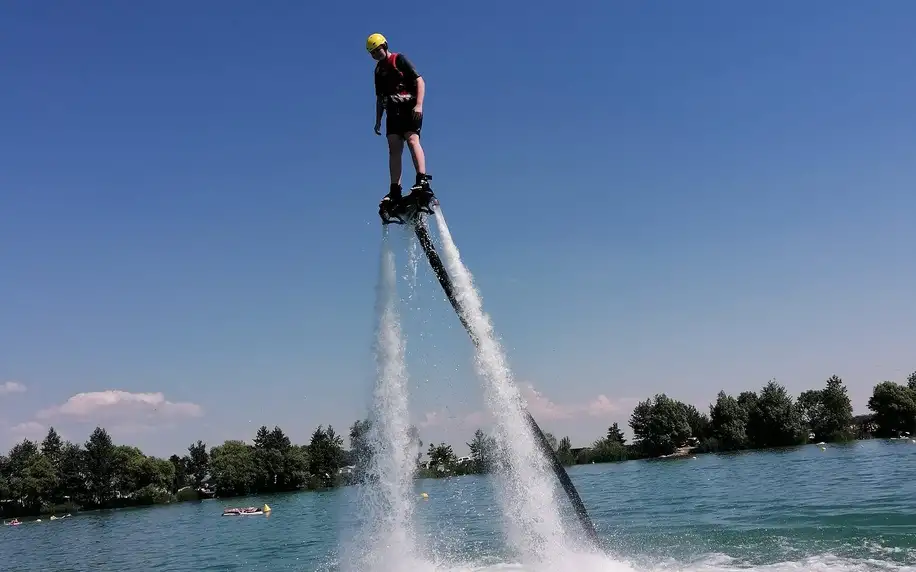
403, 94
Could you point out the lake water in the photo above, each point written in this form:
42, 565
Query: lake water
847, 508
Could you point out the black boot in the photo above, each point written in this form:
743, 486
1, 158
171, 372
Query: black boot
421, 193
389, 203
422, 184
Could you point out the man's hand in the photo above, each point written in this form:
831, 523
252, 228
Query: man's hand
417, 112
378, 128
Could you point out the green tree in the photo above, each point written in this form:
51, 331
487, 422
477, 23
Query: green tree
603, 451
811, 408
233, 468
774, 420
296, 465
5, 492
828, 411
660, 425
894, 408
747, 400
73, 474
32, 479
99, 455
360, 448
483, 451
269, 453
198, 463
615, 435
728, 422
564, 452
325, 454
129, 469
180, 472
551, 440
441, 457
700, 425
52, 449
836, 421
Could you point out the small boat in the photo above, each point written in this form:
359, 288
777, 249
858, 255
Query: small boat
247, 511
14, 522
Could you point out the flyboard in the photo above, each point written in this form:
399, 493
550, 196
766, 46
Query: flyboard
410, 210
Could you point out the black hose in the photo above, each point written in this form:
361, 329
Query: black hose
439, 270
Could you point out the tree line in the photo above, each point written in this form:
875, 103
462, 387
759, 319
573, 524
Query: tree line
59, 477
770, 418
63, 477
663, 426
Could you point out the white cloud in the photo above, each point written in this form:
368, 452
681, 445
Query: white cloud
541, 407
114, 406
29, 429
11, 387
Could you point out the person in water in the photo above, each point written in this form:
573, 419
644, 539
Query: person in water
399, 92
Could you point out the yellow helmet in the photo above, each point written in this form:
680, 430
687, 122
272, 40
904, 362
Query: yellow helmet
374, 41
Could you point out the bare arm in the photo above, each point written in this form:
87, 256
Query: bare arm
421, 91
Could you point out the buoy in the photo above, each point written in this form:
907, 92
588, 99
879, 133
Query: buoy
424, 495
266, 508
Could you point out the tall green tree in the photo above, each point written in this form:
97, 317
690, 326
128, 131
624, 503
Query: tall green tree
700, 425
180, 472
233, 468
894, 408
483, 452
660, 425
774, 420
360, 448
52, 449
198, 463
728, 422
73, 474
325, 456
551, 440
441, 457
564, 452
100, 468
615, 435
269, 451
836, 423
828, 411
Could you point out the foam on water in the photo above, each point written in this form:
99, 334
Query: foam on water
708, 563
826, 562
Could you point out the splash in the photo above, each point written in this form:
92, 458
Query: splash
530, 507
386, 499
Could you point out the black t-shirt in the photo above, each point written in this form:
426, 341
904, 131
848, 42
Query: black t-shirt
389, 82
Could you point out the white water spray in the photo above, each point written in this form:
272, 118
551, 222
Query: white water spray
529, 501
387, 492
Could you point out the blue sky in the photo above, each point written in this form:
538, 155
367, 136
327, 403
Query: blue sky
652, 198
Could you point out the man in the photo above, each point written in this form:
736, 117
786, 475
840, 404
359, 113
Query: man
399, 91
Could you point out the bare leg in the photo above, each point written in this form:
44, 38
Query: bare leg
395, 150
416, 152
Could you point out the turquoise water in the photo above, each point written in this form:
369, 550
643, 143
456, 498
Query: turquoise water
849, 507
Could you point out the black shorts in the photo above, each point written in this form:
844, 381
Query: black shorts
400, 120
